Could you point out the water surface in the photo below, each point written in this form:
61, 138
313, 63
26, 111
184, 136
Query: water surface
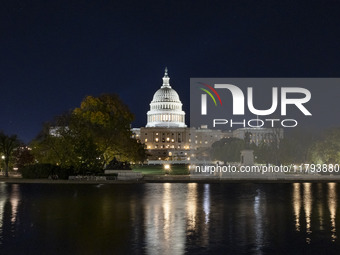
175, 218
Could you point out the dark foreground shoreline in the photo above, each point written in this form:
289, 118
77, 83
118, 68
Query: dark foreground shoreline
170, 179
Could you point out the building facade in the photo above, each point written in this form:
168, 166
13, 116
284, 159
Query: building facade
167, 137
260, 135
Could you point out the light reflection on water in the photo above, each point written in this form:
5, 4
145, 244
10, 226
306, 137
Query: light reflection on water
169, 218
332, 203
320, 205
307, 204
9, 201
259, 208
297, 204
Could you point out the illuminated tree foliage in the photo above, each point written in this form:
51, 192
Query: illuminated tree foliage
327, 148
90, 136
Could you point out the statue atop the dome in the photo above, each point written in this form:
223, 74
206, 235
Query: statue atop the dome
166, 79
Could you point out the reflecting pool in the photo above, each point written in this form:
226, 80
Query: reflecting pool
169, 218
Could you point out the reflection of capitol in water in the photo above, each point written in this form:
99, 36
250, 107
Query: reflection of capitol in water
172, 218
173, 222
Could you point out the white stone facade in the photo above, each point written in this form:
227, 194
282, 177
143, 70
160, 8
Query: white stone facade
166, 107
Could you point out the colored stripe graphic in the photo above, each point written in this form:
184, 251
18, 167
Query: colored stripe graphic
209, 95
213, 90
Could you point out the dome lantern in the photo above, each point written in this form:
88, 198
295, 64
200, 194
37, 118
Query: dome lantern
166, 79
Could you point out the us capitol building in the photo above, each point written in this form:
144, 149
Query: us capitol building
167, 137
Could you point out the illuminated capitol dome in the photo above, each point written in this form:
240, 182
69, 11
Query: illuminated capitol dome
165, 107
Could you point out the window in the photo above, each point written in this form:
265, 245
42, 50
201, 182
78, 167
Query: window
146, 140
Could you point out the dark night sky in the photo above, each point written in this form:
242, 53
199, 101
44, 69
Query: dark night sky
54, 53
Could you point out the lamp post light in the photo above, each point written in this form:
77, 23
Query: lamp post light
167, 168
2, 157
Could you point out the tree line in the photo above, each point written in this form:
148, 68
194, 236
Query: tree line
298, 146
84, 139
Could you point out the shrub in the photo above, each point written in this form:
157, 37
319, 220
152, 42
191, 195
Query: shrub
39, 171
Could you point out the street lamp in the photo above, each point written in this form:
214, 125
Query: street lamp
167, 168
2, 157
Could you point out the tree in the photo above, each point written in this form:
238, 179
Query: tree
265, 153
227, 149
91, 136
22, 156
268, 151
327, 148
107, 120
62, 142
7, 145
295, 148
